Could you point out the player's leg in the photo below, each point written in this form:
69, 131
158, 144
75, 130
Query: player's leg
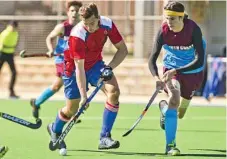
173, 87
188, 89
3, 150
49, 92
112, 92
72, 103
183, 107
10, 61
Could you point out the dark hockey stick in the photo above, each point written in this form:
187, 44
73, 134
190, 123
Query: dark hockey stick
21, 121
143, 113
54, 146
24, 55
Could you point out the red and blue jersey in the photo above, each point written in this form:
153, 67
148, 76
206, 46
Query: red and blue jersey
62, 42
89, 46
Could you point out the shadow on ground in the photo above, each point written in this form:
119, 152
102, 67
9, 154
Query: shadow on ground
150, 154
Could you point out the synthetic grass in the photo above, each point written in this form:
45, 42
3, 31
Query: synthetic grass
201, 134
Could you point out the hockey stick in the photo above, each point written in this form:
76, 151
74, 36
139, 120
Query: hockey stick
21, 121
53, 145
24, 55
143, 113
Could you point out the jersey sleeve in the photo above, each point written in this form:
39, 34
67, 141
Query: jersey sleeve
77, 47
114, 35
155, 53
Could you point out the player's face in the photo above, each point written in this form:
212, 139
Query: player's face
91, 24
173, 22
73, 12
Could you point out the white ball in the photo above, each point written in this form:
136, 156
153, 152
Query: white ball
63, 152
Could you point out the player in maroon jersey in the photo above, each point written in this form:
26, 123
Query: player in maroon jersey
62, 31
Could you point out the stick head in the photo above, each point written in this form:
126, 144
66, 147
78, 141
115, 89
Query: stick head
22, 52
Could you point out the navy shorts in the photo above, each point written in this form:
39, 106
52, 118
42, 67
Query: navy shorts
71, 89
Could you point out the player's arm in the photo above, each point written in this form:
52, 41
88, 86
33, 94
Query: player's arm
1, 42
77, 51
2, 38
199, 50
154, 55
118, 42
120, 55
58, 30
80, 77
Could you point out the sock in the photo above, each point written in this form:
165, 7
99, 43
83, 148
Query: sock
44, 96
109, 116
171, 126
184, 103
59, 123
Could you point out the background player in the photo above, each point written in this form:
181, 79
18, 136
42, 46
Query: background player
84, 64
62, 31
184, 61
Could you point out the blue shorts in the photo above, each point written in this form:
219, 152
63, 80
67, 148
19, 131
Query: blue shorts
71, 89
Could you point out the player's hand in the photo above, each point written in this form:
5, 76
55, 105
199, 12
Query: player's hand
50, 53
160, 85
83, 101
107, 73
168, 75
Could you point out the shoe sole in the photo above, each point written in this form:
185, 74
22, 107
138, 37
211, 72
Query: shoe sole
114, 146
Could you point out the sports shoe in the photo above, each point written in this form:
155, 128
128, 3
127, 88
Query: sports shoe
13, 96
3, 150
162, 103
35, 109
54, 136
171, 150
108, 143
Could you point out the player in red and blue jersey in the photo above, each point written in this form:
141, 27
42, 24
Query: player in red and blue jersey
84, 65
62, 31
184, 61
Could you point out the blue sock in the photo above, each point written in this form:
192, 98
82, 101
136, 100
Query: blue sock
44, 96
171, 126
108, 119
58, 125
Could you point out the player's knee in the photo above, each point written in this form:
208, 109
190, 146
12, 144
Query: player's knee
114, 95
174, 98
67, 112
56, 87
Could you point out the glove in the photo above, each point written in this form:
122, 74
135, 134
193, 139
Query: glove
107, 73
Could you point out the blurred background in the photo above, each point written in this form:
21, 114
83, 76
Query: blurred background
138, 21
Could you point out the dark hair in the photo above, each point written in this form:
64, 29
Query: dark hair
174, 6
88, 10
73, 3
13, 23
